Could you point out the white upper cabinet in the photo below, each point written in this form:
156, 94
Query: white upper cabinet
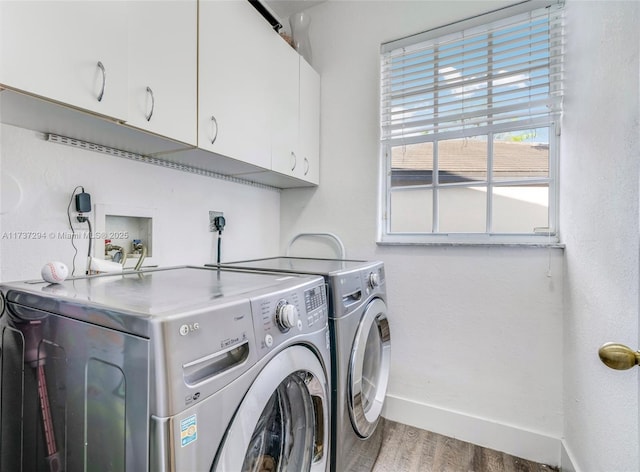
309, 124
163, 68
296, 122
206, 83
69, 51
233, 88
284, 109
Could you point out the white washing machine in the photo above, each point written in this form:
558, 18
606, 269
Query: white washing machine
180, 369
360, 351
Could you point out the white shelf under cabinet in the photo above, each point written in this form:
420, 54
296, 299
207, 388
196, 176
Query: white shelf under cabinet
45, 116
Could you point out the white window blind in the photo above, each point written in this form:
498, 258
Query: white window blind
481, 79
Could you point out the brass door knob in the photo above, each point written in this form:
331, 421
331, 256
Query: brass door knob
618, 356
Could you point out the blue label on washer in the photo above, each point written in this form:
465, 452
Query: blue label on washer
188, 430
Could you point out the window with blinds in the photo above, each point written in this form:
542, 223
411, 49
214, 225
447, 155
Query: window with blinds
469, 129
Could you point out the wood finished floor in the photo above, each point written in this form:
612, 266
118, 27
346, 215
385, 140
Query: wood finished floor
409, 449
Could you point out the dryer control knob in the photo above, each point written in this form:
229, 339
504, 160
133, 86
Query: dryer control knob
286, 316
374, 279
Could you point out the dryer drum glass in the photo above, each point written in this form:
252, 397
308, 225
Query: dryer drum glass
284, 435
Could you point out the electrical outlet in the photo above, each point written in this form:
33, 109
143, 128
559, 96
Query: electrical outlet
212, 216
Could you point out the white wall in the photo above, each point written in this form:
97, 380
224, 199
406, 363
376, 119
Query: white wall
476, 332
47, 173
599, 220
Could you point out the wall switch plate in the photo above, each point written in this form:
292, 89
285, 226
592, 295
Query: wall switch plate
212, 216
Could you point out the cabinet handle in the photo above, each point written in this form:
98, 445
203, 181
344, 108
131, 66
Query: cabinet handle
306, 166
215, 128
104, 80
153, 104
294, 160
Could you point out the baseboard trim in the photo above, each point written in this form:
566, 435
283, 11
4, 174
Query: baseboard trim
483, 432
567, 464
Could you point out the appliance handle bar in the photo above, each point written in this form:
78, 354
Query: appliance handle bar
334, 237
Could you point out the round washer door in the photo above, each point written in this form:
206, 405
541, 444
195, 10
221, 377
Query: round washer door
282, 423
369, 368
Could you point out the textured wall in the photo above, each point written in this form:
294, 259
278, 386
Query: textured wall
600, 169
47, 173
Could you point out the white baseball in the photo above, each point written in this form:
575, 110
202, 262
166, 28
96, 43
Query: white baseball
54, 272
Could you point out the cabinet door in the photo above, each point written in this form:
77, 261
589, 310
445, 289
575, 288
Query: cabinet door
234, 66
163, 67
53, 49
285, 156
309, 136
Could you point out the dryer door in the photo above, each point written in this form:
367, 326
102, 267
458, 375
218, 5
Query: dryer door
282, 423
369, 368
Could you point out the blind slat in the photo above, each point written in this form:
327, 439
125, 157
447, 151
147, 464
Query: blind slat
471, 104
403, 78
499, 114
485, 76
468, 82
528, 123
539, 39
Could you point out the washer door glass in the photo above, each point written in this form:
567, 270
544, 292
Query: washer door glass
282, 423
369, 369
283, 438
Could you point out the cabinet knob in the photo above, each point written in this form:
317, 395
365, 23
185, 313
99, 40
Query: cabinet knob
104, 80
153, 104
294, 160
306, 166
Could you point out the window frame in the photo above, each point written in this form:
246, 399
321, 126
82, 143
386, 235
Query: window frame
550, 237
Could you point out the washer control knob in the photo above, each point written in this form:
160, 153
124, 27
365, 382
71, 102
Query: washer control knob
286, 316
374, 279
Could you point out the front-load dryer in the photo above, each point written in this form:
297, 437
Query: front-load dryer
180, 369
360, 351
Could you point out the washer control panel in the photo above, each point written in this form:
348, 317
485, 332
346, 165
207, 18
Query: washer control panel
315, 302
289, 313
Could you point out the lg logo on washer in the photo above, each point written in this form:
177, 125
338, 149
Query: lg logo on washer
189, 328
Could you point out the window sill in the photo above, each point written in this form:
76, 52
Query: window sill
470, 240
553, 245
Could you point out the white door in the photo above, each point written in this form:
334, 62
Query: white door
163, 64
285, 99
309, 139
68, 51
233, 83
